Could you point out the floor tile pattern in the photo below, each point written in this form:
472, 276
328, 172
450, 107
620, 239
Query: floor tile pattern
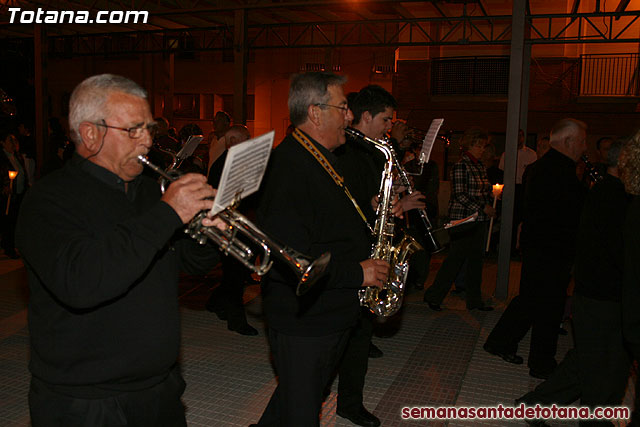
430, 358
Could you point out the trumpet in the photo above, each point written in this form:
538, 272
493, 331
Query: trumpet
307, 269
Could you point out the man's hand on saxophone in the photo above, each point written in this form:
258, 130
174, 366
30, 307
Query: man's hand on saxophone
396, 207
375, 272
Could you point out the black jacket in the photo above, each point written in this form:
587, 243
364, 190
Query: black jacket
302, 207
553, 198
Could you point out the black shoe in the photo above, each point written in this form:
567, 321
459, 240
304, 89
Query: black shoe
507, 357
457, 292
243, 329
529, 400
541, 375
482, 307
361, 418
374, 352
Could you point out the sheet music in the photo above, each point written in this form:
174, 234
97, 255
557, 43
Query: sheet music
470, 218
189, 147
429, 139
243, 170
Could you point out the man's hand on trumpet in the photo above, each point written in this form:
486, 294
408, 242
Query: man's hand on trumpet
189, 195
399, 130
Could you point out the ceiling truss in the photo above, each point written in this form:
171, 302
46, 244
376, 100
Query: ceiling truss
608, 27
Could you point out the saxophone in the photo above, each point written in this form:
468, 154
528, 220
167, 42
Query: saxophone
387, 301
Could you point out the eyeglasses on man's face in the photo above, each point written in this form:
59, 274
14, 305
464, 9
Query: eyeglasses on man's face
344, 108
134, 132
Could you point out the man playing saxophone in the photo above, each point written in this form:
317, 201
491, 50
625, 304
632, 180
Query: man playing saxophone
363, 164
306, 205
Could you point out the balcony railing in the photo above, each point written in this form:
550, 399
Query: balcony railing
610, 75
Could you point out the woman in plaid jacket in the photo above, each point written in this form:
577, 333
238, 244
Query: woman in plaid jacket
470, 194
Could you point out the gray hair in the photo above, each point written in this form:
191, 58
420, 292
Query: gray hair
310, 89
629, 165
614, 152
566, 128
87, 103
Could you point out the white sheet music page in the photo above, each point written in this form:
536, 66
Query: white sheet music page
243, 170
470, 218
189, 147
429, 139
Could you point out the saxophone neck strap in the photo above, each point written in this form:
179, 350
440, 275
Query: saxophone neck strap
337, 179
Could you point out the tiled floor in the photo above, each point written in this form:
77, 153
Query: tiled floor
430, 359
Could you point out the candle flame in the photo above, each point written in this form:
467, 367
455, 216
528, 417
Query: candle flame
13, 174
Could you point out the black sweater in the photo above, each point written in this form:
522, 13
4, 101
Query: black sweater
362, 165
302, 207
103, 310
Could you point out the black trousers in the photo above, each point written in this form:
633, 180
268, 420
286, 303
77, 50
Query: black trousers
159, 405
467, 243
354, 364
304, 366
228, 296
420, 260
8, 225
596, 370
539, 306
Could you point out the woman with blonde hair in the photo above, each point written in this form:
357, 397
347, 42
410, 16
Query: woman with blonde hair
470, 194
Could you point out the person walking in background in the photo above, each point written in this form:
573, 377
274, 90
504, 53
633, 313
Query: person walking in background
470, 194
226, 300
553, 198
525, 156
629, 166
596, 370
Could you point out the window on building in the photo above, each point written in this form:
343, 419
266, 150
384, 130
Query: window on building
470, 76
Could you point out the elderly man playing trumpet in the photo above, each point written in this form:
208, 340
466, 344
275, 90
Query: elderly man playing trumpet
103, 263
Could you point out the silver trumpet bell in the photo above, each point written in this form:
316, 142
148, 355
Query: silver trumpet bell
307, 269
